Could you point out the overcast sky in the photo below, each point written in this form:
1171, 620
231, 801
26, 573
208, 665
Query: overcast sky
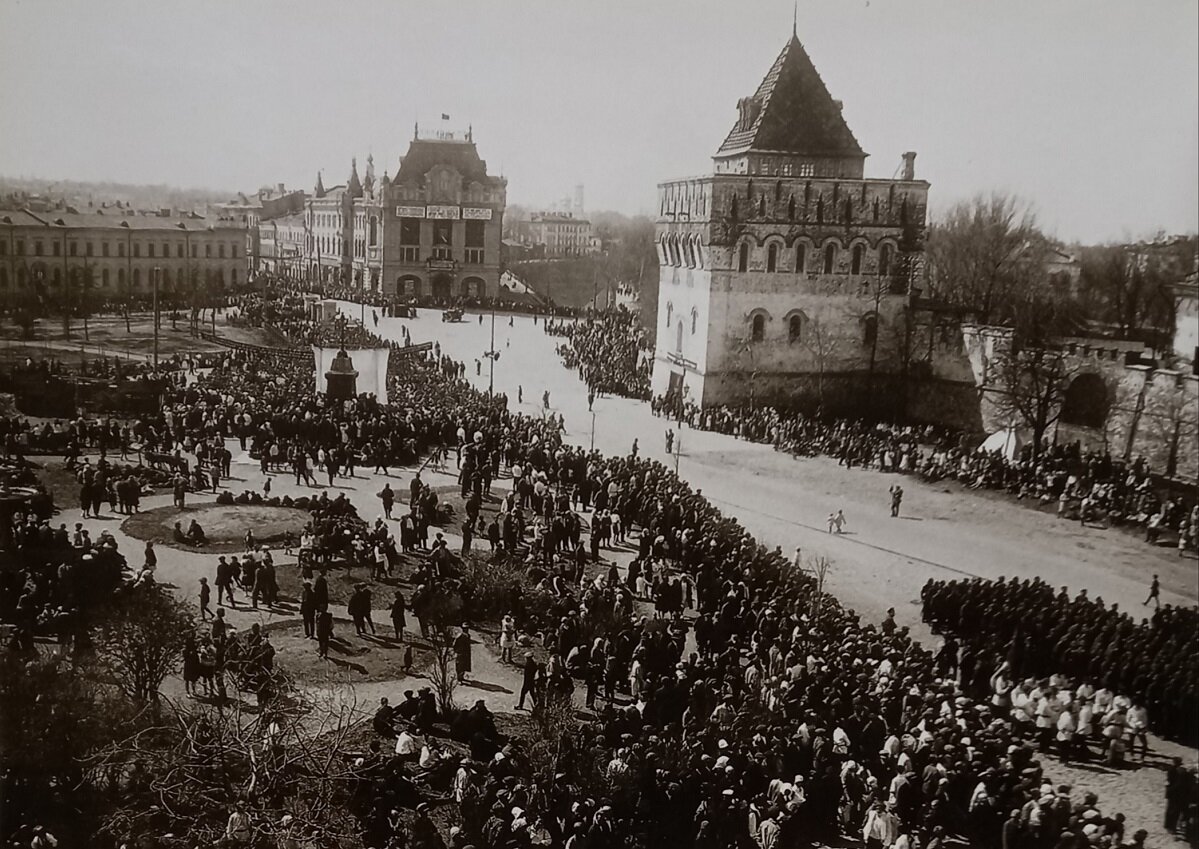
1089, 108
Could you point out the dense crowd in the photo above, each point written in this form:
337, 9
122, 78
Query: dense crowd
1145, 666
790, 721
610, 351
1089, 486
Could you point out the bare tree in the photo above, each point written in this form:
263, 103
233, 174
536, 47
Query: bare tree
1029, 385
141, 639
1170, 419
184, 773
821, 566
823, 346
443, 614
985, 253
1126, 285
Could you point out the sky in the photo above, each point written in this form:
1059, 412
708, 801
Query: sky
1088, 109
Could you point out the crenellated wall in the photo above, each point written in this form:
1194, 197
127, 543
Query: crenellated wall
1147, 412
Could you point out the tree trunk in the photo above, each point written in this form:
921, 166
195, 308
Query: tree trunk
1172, 460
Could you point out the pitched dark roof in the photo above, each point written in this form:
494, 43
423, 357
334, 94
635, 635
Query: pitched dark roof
795, 113
424, 154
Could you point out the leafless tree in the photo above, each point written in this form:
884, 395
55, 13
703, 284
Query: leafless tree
823, 346
1169, 417
141, 639
1028, 386
985, 253
1126, 285
184, 773
443, 615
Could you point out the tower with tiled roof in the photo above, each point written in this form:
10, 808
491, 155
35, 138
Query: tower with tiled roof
791, 124
784, 274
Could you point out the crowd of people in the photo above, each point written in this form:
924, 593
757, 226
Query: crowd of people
610, 351
774, 717
1087, 486
1114, 658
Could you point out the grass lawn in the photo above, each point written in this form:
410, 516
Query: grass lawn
224, 525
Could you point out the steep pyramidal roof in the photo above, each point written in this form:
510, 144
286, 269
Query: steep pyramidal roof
791, 112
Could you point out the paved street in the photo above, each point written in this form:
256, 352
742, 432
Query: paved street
880, 561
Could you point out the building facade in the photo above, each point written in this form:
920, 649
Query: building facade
283, 245
116, 255
561, 233
440, 221
434, 231
785, 273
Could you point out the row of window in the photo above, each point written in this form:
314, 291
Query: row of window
687, 250
105, 278
38, 248
796, 323
830, 261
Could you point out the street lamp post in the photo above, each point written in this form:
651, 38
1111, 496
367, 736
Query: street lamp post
492, 354
157, 273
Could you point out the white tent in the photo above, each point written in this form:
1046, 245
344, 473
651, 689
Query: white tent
1007, 442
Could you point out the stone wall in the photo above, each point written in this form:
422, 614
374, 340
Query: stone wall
1151, 413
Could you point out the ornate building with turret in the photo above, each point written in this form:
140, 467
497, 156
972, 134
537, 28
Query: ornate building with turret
432, 231
785, 274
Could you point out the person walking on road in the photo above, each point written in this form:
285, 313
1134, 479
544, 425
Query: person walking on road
836, 522
896, 499
1155, 590
529, 681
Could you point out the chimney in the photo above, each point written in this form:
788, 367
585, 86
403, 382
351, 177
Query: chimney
279, 187
909, 165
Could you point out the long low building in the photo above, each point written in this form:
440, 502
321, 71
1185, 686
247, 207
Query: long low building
119, 252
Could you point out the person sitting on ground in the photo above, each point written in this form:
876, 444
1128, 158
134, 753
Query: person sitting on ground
195, 534
383, 719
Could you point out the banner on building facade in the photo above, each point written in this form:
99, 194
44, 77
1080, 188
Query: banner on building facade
370, 363
476, 214
441, 212
410, 212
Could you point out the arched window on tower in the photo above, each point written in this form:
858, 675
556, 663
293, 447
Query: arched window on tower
762, 207
694, 320
801, 257
830, 258
791, 208
772, 257
869, 329
678, 339
669, 312
757, 330
374, 231
795, 329
743, 257
859, 252
884, 260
